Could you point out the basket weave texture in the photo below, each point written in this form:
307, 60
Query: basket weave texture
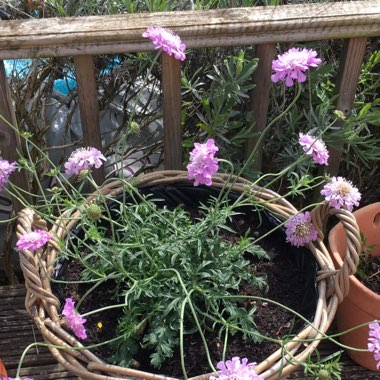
44, 307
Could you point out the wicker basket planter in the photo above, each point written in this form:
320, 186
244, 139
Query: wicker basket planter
44, 306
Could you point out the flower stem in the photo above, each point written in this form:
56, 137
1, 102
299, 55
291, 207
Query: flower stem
266, 129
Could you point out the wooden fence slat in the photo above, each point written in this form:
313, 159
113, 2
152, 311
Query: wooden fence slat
171, 93
260, 97
44, 372
210, 28
89, 108
9, 147
9, 141
346, 85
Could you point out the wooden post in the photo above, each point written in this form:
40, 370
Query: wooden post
347, 80
9, 140
9, 145
89, 108
260, 96
171, 93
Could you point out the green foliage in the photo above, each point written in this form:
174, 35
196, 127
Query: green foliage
229, 87
366, 264
91, 7
361, 132
299, 185
164, 259
356, 136
328, 368
216, 85
218, 105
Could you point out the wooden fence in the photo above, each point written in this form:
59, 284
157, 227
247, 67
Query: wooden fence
84, 37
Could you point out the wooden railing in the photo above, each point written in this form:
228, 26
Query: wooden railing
84, 37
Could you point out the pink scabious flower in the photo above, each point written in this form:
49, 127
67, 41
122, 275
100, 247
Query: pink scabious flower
340, 193
11, 378
74, 320
6, 169
82, 159
167, 41
299, 230
33, 240
203, 164
292, 64
314, 147
374, 341
236, 370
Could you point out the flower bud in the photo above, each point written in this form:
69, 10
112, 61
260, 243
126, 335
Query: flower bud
339, 114
83, 174
56, 190
94, 212
135, 128
323, 374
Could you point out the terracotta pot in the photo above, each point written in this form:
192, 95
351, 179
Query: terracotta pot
361, 304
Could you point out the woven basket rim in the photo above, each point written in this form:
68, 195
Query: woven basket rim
44, 306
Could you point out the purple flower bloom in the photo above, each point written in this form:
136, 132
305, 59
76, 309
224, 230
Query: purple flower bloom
11, 378
33, 240
340, 193
292, 64
300, 230
82, 159
167, 41
315, 148
236, 370
203, 164
374, 341
74, 320
6, 169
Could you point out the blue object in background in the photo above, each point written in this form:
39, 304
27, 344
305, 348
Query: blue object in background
63, 85
21, 67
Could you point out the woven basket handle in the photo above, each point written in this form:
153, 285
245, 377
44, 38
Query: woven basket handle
34, 264
353, 244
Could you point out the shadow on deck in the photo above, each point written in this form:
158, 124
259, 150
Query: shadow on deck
17, 331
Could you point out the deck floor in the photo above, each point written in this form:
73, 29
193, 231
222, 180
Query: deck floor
17, 331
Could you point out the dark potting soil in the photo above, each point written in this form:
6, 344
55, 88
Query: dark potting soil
368, 272
286, 282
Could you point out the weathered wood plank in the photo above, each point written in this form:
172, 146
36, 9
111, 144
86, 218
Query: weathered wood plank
30, 360
17, 330
260, 97
9, 140
220, 27
12, 349
6, 305
44, 372
171, 93
9, 146
89, 108
13, 319
11, 290
346, 85
16, 326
